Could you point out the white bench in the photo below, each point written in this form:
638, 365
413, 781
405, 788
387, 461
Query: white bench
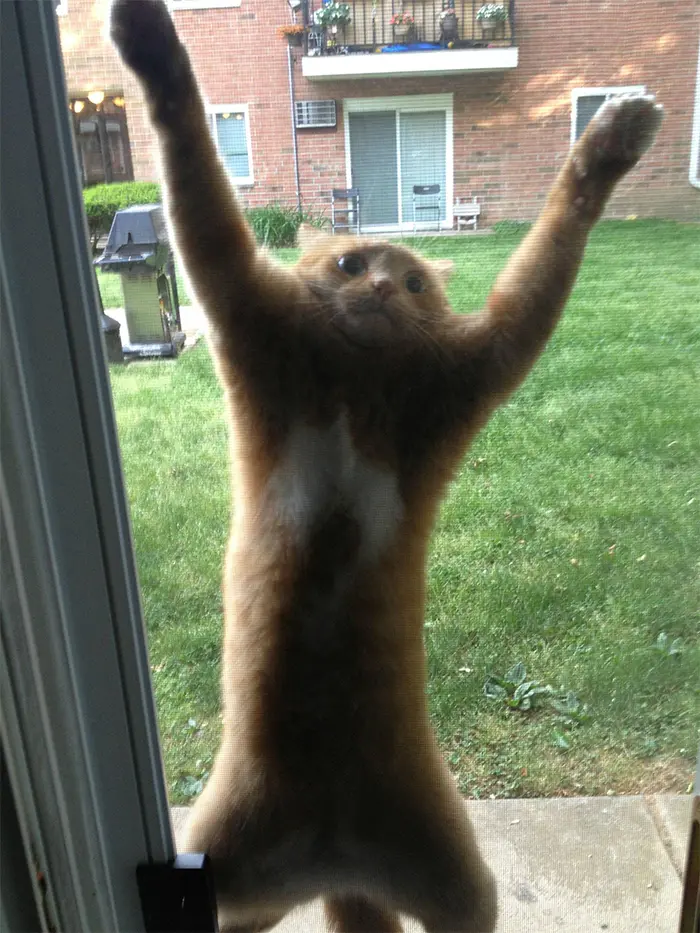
466, 213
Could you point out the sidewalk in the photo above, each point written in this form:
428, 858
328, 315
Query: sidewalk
574, 865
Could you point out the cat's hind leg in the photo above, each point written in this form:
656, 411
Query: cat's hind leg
355, 914
421, 857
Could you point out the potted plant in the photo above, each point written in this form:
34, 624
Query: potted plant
333, 14
333, 17
292, 33
449, 26
492, 19
403, 25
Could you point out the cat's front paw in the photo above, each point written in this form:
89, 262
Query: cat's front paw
619, 134
145, 36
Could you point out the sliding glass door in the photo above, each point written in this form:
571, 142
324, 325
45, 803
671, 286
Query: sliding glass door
389, 152
375, 167
422, 147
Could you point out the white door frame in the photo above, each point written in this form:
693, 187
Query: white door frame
77, 717
415, 103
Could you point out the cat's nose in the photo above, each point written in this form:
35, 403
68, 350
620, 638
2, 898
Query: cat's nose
384, 287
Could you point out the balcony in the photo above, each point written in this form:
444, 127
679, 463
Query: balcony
418, 37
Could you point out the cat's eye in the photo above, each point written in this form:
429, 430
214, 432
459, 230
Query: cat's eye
415, 284
353, 264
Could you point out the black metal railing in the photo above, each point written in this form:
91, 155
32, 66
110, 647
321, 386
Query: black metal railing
434, 24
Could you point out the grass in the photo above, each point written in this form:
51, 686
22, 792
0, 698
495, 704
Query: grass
568, 541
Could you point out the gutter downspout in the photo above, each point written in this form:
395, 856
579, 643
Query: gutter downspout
294, 128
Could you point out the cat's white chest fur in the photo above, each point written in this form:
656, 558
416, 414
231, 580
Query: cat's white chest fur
320, 470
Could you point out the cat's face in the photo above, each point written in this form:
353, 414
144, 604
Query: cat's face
375, 294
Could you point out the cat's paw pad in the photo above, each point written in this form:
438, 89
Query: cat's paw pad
621, 131
143, 32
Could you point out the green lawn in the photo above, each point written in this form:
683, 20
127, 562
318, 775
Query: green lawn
568, 541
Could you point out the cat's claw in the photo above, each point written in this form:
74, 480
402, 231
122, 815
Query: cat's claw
620, 132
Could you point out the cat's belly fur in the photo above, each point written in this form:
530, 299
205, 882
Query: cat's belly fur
321, 472
324, 677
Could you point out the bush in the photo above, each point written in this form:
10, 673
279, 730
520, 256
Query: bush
276, 225
273, 225
103, 201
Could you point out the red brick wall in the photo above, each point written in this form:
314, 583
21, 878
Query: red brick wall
511, 129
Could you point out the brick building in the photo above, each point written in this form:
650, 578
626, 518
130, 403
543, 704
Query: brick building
492, 116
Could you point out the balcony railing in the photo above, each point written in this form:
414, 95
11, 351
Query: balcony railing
436, 24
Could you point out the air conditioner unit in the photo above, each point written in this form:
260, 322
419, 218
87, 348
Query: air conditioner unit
311, 114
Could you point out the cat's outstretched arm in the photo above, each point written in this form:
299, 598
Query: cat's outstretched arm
526, 301
212, 235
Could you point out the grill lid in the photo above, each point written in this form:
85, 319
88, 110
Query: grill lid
136, 235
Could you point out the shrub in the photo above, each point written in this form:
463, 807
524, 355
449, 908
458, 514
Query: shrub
103, 201
275, 225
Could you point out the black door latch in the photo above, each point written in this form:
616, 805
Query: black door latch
178, 896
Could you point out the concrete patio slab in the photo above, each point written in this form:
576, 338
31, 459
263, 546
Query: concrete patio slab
569, 865
672, 818
192, 318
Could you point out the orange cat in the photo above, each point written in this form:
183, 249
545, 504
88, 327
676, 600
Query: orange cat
352, 393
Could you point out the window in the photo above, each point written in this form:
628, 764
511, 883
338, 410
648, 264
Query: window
231, 128
102, 138
585, 102
694, 173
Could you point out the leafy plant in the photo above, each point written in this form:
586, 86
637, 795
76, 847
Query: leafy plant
667, 647
276, 225
493, 12
333, 14
515, 690
561, 741
571, 710
192, 785
401, 19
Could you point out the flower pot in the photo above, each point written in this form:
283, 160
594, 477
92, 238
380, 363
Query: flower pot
403, 33
449, 28
492, 28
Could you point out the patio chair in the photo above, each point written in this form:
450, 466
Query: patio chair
467, 213
345, 209
427, 204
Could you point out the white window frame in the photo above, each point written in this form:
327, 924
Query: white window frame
694, 170
608, 92
78, 727
212, 110
411, 103
176, 5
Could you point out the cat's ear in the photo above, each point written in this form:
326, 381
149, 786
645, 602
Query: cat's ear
443, 268
308, 236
